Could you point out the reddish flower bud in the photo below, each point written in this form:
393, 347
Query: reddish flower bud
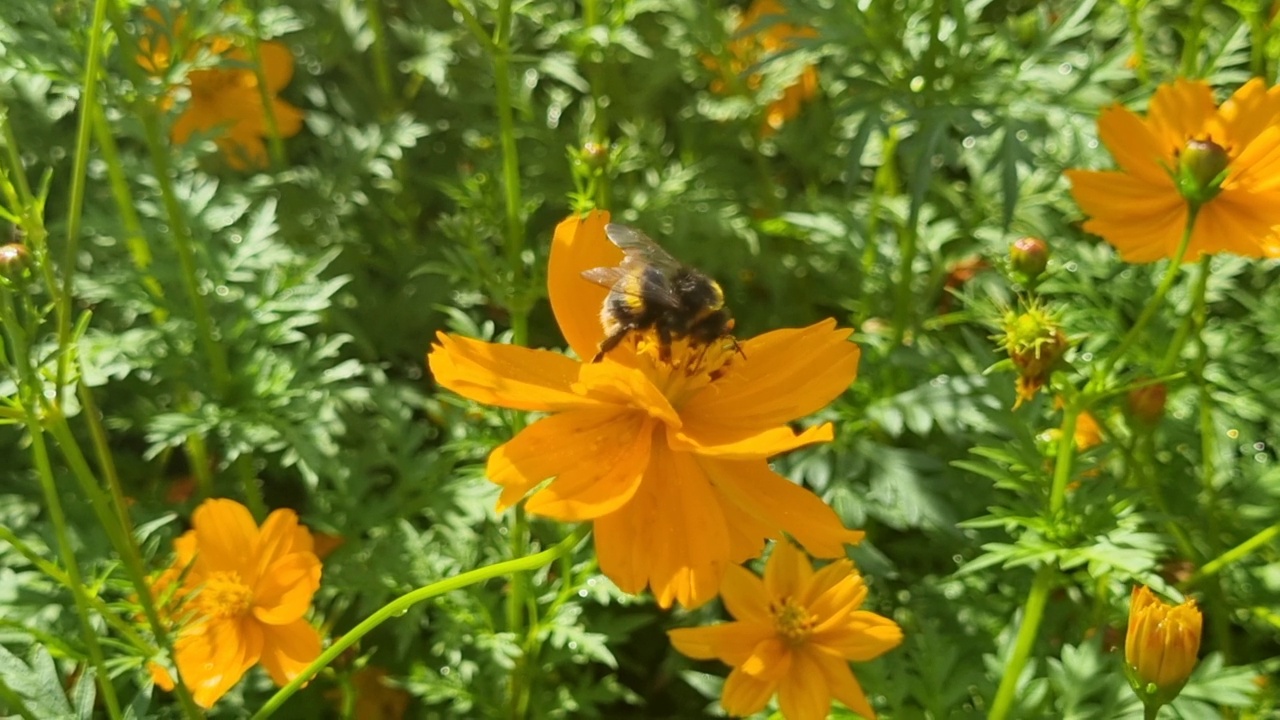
1029, 256
1146, 404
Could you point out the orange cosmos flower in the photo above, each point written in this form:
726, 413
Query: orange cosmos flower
750, 45
242, 596
793, 635
1225, 159
1161, 646
668, 459
226, 100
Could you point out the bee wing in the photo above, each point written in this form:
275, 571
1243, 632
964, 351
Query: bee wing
630, 279
637, 245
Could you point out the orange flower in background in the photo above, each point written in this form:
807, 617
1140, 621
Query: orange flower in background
1161, 646
376, 699
793, 635
226, 101
756, 37
1088, 433
242, 596
669, 459
1225, 159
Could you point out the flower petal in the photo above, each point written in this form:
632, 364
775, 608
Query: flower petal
277, 64
1257, 167
607, 475
1142, 221
731, 643
787, 374
787, 572
672, 536
864, 636
780, 503
744, 596
226, 537
844, 686
1236, 222
284, 593
288, 649
212, 659
1136, 150
1250, 110
716, 441
279, 536
613, 383
506, 375
559, 444
1180, 111
744, 695
578, 245
803, 692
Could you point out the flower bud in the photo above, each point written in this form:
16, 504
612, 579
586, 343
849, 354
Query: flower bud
1029, 256
15, 260
1146, 404
1036, 344
1161, 646
595, 155
1200, 167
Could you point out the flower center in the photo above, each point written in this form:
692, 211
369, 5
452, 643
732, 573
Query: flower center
792, 621
224, 595
687, 368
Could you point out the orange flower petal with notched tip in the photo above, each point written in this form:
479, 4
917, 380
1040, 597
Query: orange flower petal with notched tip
800, 630
506, 375
288, 649
579, 245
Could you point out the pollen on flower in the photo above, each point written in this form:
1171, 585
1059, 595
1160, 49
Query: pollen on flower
793, 620
689, 367
225, 595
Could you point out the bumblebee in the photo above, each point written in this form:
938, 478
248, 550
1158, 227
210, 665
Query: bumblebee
652, 290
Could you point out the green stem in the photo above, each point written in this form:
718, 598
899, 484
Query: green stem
135, 236
600, 119
1139, 39
1235, 554
79, 178
510, 154
54, 572
401, 604
381, 63
274, 144
1191, 44
473, 24
1032, 614
1150, 711
1184, 329
517, 692
179, 228
1157, 300
31, 391
1145, 462
1033, 610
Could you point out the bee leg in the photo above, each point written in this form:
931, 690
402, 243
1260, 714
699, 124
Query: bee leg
664, 343
610, 342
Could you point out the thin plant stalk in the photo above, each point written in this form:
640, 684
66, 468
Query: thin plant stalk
381, 61
275, 144
1261, 539
400, 605
30, 389
79, 178
1042, 585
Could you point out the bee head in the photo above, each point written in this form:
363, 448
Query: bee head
712, 326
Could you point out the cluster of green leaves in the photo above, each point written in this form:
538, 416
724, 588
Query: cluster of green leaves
938, 136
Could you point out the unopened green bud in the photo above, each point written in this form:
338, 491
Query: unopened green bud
596, 155
1200, 166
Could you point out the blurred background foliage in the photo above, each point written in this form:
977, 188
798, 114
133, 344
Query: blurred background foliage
937, 136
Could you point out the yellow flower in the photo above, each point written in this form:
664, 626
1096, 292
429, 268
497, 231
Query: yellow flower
1142, 208
794, 632
243, 594
225, 100
750, 46
1161, 646
669, 459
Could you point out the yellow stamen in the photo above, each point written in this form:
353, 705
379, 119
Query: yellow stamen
792, 620
225, 595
